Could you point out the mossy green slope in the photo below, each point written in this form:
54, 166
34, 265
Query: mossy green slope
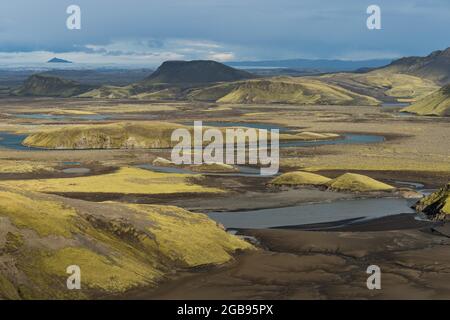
117, 246
436, 204
122, 135
435, 104
357, 183
383, 84
288, 90
126, 180
297, 178
108, 92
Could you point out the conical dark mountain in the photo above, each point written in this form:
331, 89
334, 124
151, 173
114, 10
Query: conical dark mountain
435, 66
58, 60
50, 86
197, 71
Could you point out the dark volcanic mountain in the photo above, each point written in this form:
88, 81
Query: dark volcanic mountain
50, 86
195, 72
435, 66
58, 60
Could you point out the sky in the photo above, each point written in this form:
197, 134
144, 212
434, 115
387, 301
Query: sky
147, 32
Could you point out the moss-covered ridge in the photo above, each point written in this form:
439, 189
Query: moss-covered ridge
347, 182
298, 178
435, 104
358, 183
121, 135
126, 180
117, 246
287, 90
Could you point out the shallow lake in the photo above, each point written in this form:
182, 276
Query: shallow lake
243, 171
313, 213
13, 141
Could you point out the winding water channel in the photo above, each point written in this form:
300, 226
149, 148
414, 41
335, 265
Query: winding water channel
14, 141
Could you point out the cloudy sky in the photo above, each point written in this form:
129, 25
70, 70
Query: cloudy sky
146, 32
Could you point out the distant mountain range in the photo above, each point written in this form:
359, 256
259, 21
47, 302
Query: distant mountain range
320, 65
408, 79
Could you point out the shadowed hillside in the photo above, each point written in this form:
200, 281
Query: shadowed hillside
435, 66
50, 86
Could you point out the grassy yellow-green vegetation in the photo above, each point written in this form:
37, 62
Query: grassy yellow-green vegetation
380, 83
70, 112
9, 166
357, 183
126, 135
298, 178
125, 181
288, 90
133, 108
436, 204
109, 92
55, 111
117, 246
435, 104
51, 217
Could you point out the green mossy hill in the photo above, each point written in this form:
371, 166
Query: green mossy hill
123, 135
435, 104
437, 204
357, 183
196, 72
50, 86
286, 90
384, 85
138, 91
117, 246
298, 178
109, 92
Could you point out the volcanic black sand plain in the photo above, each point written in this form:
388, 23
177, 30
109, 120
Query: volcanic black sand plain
287, 261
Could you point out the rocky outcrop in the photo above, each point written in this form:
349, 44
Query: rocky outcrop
437, 204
